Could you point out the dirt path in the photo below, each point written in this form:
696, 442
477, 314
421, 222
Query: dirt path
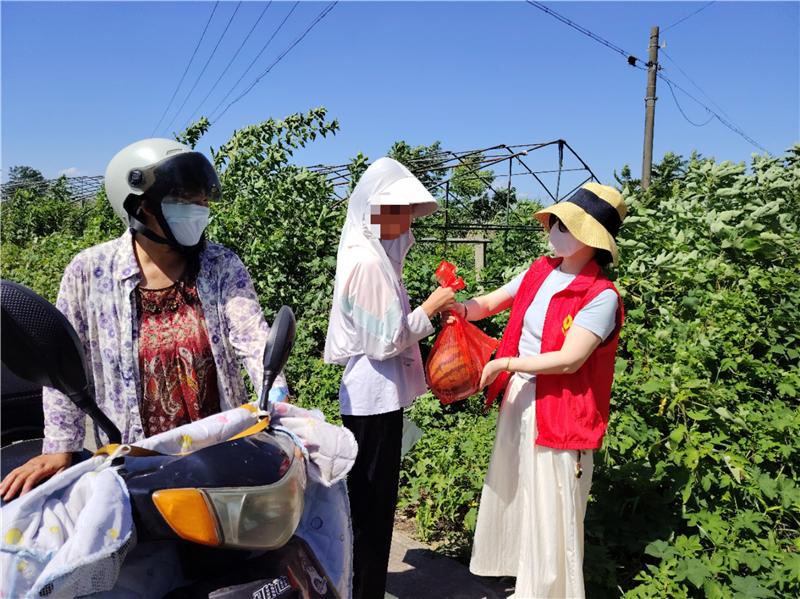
417, 572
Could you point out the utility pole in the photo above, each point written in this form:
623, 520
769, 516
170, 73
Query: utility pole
650, 107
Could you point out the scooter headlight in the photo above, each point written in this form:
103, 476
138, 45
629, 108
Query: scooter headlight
263, 517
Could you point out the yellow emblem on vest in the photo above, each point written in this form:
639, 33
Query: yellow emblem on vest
566, 324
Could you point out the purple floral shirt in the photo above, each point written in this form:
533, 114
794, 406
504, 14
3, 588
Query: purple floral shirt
97, 296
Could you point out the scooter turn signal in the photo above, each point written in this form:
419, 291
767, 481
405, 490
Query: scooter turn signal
189, 514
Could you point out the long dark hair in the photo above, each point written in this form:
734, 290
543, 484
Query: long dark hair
602, 257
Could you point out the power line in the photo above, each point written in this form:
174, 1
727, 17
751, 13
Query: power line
252, 62
679, 21
685, 74
205, 66
678, 104
300, 38
230, 62
722, 120
632, 60
186, 70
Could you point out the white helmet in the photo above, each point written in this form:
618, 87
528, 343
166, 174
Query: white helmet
157, 167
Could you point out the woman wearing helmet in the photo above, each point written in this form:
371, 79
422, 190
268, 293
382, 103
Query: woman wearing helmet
556, 363
165, 317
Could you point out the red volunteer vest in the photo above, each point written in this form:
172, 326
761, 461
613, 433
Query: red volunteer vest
571, 409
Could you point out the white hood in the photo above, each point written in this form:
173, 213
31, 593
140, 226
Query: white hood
369, 302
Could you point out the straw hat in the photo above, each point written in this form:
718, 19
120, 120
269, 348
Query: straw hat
593, 215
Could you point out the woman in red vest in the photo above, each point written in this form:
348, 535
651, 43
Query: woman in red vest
556, 364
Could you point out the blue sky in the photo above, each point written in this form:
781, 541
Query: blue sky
81, 80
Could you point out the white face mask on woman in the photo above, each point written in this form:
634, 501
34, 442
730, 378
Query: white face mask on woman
186, 221
563, 243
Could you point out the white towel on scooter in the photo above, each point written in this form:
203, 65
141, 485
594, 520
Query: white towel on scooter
89, 506
325, 524
331, 449
199, 434
67, 537
330, 453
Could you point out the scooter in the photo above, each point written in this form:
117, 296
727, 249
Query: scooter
232, 509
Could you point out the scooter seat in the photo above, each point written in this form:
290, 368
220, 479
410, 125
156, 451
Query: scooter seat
15, 455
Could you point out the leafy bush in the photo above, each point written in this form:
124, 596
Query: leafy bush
42, 232
696, 493
695, 490
443, 475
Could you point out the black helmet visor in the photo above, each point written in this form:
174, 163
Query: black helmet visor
184, 176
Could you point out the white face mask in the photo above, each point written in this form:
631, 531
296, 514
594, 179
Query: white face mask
563, 244
186, 221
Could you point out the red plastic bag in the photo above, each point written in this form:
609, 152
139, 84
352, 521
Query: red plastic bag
446, 275
460, 351
457, 359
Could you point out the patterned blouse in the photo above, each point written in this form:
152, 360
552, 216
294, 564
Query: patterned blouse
97, 295
179, 379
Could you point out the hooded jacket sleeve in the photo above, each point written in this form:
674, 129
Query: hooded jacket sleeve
379, 315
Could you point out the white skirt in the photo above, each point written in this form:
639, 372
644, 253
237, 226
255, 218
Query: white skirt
530, 520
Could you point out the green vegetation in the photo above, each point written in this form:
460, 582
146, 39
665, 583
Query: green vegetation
695, 491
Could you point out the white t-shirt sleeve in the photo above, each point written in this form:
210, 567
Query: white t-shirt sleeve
513, 285
600, 315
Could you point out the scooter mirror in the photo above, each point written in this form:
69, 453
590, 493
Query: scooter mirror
39, 344
277, 350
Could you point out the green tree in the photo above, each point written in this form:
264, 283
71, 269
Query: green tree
355, 169
24, 174
192, 134
478, 199
424, 161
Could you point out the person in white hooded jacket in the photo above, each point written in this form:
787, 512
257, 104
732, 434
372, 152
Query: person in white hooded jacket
374, 333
